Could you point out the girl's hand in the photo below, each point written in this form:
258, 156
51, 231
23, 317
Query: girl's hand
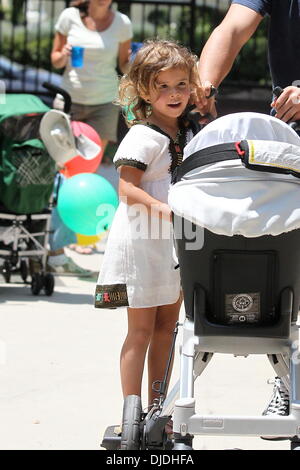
166, 212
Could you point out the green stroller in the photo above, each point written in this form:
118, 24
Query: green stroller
27, 174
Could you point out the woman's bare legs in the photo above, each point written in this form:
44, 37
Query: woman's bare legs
159, 348
141, 323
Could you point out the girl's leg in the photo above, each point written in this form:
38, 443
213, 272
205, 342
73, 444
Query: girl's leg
141, 323
161, 340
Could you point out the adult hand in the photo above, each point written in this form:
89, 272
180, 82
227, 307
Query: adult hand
287, 105
66, 50
204, 104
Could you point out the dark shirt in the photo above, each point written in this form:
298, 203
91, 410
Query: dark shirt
284, 37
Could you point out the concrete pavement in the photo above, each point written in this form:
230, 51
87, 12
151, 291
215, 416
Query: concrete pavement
59, 369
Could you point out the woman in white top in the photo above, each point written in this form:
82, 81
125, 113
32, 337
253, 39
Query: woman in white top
106, 36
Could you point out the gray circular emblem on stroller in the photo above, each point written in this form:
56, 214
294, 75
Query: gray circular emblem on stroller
242, 302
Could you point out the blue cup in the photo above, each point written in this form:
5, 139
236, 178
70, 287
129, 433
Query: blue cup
135, 46
77, 56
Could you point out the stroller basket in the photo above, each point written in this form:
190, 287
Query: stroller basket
26, 169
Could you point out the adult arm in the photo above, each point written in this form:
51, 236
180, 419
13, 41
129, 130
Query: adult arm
124, 55
131, 193
223, 46
61, 51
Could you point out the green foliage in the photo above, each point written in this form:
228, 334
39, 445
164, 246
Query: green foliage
163, 22
206, 19
158, 17
33, 52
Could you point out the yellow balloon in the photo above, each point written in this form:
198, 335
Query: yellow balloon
88, 239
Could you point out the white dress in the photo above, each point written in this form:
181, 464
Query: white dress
138, 268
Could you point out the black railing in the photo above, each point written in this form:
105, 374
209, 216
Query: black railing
26, 34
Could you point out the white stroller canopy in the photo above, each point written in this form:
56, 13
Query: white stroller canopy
229, 199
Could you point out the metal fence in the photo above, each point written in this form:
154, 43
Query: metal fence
26, 34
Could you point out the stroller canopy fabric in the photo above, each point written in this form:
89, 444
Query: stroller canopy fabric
229, 199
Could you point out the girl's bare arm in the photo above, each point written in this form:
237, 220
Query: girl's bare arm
131, 193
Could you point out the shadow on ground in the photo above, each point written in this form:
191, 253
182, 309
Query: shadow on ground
23, 293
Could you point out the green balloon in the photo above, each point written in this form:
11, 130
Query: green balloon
87, 203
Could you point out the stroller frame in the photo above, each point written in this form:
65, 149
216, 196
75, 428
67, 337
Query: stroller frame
203, 337
19, 232
206, 333
25, 245
195, 358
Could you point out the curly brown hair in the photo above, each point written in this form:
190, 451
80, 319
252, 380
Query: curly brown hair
153, 57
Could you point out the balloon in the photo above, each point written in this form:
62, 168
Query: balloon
84, 240
79, 164
87, 203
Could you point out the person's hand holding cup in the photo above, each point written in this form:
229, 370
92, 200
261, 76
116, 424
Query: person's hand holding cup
77, 54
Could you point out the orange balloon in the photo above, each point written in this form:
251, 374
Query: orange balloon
79, 164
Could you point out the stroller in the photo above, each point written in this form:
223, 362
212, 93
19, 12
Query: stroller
236, 218
34, 140
27, 175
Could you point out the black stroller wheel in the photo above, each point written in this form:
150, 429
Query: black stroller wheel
6, 271
36, 283
131, 433
23, 270
295, 444
49, 284
183, 442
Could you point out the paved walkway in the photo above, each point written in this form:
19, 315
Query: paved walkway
59, 371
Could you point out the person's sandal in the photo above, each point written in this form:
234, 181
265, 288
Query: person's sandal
82, 250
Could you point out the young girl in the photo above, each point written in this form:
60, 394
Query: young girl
138, 267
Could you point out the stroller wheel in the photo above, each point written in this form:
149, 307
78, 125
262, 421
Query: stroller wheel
23, 270
36, 283
131, 433
183, 443
295, 444
6, 271
49, 284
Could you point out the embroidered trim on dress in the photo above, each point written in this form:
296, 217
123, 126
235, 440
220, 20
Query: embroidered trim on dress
175, 146
111, 296
131, 162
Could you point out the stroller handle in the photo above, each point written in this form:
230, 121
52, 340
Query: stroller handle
56, 89
195, 117
293, 124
